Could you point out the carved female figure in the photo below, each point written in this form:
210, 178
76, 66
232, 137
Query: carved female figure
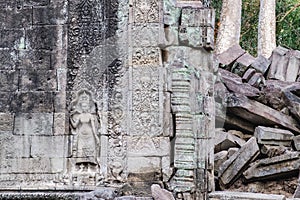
84, 124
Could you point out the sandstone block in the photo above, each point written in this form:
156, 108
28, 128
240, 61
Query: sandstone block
261, 64
230, 55
50, 15
8, 80
296, 141
273, 136
33, 124
13, 146
25, 165
224, 141
231, 169
259, 114
219, 159
143, 164
35, 59
146, 146
243, 196
49, 147
275, 167
38, 80
159, 193
6, 122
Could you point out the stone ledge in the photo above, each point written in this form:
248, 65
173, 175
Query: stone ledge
224, 195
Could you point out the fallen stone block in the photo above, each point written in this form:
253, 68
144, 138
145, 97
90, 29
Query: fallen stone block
291, 98
232, 151
234, 83
273, 136
271, 168
224, 141
296, 141
248, 74
161, 194
278, 63
259, 114
272, 94
257, 80
226, 195
261, 64
219, 159
297, 191
272, 151
230, 55
242, 64
231, 169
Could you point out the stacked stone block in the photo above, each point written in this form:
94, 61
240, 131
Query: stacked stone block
33, 54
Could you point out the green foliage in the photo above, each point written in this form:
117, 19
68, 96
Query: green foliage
287, 26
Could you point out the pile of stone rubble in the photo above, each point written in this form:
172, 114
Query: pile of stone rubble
257, 144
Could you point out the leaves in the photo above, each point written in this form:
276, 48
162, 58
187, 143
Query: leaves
287, 26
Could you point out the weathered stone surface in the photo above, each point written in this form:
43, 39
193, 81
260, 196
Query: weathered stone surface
257, 80
273, 136
291, 97
272, 94
14, 146
56, 14
275, 167
243, 196
248, 74
296, 142
40, 147
259, 114
261, 64
146, 146
38, 80
242, 64
224, 141
232, 151
230, 55
26, 102
8, 80
231, 169
146, 164
6, 122
293, 67
234, 83
39, 59
219, 159
23, 165
159, 193
272, 151
33, 124
12, 38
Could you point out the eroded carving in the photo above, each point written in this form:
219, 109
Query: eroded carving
85, 124
146, 11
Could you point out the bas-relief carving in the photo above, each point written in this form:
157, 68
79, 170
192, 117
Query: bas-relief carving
146, 11
85, 124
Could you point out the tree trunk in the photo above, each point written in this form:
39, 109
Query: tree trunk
266, 28
230, 27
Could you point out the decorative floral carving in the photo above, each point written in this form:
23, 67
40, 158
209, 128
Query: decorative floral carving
146, 11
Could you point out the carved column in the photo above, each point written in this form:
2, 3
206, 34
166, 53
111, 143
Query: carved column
187, 48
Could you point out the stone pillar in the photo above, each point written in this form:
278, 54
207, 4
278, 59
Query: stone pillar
230, 28
266, 28
187, 46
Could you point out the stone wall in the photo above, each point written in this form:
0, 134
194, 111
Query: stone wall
33, 66
107, 93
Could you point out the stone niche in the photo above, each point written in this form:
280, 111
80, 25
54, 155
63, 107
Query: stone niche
107, 94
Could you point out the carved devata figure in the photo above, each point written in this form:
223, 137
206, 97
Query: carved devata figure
85, 124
